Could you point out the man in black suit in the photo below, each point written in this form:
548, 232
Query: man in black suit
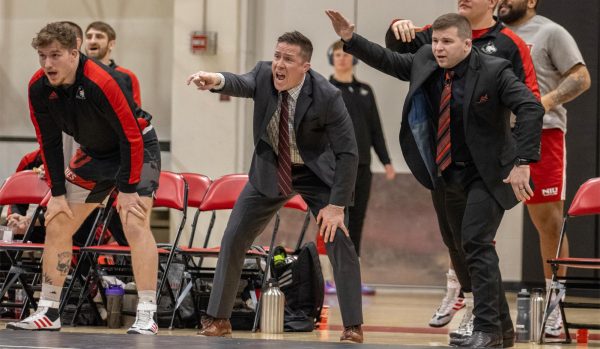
456, 131
304, 143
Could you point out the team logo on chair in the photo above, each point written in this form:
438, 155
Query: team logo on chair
489, 48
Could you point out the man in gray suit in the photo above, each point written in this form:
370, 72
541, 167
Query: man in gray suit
304, 143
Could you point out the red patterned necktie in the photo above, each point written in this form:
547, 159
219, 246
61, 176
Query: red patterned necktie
284, 162
443, 155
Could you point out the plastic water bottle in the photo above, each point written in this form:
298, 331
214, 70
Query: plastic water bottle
271, 316
523, 325
537, 313
114, 301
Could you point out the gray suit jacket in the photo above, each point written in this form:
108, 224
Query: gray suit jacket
324, 131
492, 91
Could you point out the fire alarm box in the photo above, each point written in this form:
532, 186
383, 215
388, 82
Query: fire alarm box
203, 43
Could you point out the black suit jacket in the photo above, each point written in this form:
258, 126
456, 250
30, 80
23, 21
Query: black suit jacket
324, 131
492, 90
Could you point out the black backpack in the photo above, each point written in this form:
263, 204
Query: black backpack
301, 280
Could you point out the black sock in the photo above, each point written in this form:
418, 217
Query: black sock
52, 314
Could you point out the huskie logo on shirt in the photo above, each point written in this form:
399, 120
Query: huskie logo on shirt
489, 48
80, 93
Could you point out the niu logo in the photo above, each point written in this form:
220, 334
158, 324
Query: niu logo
550, 191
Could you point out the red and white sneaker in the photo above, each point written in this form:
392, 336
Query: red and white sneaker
451, 303
41, 320
144, 320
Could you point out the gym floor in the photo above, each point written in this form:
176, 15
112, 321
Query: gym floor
393, 318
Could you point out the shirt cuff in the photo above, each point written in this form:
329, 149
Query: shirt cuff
127, 188
221, 84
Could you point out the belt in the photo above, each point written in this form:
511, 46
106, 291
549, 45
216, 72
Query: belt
463, 164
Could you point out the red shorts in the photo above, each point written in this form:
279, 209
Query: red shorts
549, 174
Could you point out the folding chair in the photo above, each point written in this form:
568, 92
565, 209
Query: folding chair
172, 193
197, 188
222, 195
23, 187
585, 203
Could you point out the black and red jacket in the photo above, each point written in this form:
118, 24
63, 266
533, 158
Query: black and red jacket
135, 83
98, 111
497, 41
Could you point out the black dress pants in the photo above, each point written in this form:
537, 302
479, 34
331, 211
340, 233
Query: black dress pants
473, 216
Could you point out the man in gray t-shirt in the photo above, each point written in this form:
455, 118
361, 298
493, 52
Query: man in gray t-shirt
562, 76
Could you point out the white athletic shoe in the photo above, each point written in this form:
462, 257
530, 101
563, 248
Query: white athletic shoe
451, 303
39, 321
144, 320
554, 324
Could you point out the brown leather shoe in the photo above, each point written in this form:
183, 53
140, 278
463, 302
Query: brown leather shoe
212, 327
352, 334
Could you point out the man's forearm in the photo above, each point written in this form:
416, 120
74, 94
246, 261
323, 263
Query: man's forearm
575, 83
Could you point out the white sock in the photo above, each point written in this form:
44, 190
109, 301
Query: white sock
452, 280
51, 292
148, 296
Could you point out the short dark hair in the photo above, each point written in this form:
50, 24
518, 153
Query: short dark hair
76, 27
297, 38
56, 31
103, 27
450, 20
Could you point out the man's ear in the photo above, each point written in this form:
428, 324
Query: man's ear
111, 44
468, 44
306, 66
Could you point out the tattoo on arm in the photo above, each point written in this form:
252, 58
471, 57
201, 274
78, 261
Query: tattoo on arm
577, 80
46, 279
64, 263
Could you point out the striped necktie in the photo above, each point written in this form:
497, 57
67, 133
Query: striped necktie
443, 155
284, 162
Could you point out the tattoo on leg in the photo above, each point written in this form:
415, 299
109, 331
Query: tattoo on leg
46, 279
64, 263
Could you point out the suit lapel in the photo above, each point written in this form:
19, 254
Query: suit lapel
304, 101
471, 80
271, 107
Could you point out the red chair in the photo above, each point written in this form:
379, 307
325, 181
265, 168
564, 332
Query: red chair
172, 193
585, 203
197, 188
25, 188
222, 195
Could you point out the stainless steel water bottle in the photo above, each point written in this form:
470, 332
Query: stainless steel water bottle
523, 325
537, 313
273, 302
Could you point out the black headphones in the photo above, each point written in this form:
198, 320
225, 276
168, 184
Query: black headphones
330, 56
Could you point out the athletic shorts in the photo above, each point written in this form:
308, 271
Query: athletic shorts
549, 174
91, 180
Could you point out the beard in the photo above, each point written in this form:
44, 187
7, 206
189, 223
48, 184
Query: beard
512, 13
100, 53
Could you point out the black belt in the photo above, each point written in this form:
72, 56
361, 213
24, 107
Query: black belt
463, 164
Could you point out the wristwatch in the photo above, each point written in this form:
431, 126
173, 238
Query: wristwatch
520, 162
